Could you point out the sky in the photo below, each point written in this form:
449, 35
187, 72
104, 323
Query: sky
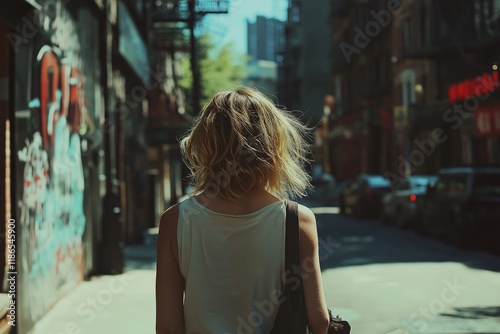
232, 27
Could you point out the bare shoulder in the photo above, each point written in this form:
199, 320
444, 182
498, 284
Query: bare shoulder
307, 226
168, 221
167, 234
306, 217
171, 212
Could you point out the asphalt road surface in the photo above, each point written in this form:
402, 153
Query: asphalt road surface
385, 280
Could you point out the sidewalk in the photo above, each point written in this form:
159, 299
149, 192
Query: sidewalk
122, 304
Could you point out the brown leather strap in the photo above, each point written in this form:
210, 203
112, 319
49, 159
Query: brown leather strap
292, 254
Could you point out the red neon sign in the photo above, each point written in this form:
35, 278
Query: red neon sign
483, 84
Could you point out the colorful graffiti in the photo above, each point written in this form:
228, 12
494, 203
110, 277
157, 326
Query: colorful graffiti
52, 219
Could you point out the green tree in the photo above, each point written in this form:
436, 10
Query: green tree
221, 68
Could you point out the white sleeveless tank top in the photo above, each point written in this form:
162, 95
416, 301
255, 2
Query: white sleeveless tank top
232, 266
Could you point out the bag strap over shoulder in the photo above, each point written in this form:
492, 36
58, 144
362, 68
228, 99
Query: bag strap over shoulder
292, 247
295, 304
292, 256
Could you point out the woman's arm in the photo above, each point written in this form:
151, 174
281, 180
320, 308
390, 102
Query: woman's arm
317, 312
169, 280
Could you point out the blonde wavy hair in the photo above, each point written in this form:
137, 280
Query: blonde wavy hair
241, 141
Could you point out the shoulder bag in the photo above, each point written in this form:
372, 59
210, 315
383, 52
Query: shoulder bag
292, 318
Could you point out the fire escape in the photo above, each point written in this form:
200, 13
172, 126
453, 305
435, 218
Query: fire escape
172, 38
174, 24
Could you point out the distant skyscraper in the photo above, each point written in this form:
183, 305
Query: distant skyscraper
305, 67
264, 38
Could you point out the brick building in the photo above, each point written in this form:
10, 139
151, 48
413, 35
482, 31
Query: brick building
415, 85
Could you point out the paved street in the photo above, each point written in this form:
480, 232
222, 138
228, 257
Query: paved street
384, 280
381, 279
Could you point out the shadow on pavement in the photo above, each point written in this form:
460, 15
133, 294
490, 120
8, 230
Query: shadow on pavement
475, 312
346, 241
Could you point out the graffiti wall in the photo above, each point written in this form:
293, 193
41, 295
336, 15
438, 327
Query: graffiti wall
51, 114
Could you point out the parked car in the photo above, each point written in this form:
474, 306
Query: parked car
463, 206
362, 198
399, 207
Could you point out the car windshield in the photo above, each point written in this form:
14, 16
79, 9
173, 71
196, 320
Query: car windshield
486, 185
377, 181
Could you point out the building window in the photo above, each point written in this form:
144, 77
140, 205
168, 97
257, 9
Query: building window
408, 81
491, 16
406, 93
295, 12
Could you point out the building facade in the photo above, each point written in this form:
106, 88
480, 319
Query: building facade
263, 37
55, 94
265, 43
362, 89
449, 54
303, 71
415, 86
77, 86
304, 67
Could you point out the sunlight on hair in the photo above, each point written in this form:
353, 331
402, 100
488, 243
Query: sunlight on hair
242, 141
